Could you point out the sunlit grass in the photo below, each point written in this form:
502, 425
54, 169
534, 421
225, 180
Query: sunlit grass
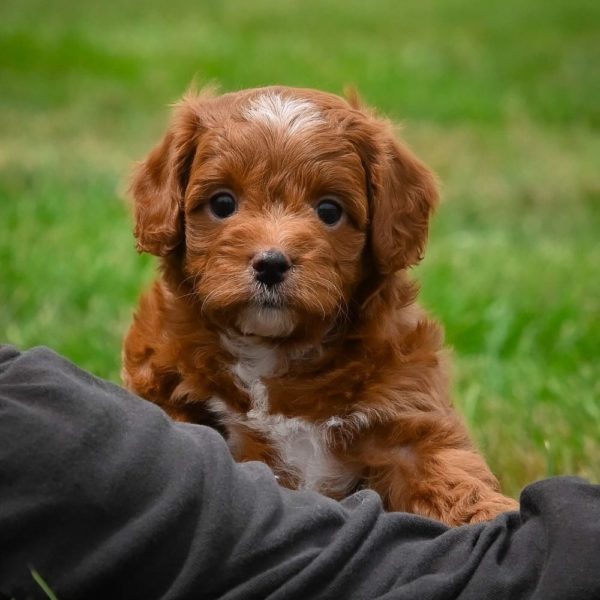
501, 99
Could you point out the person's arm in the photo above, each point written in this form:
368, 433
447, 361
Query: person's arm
106, 497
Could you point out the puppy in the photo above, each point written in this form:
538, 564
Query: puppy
286, 220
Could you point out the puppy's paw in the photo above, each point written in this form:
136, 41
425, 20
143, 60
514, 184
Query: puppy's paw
491, 507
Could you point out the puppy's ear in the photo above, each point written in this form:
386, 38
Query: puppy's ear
159, 183
403, 193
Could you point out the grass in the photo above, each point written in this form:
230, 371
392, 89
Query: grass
502, 99
43, 585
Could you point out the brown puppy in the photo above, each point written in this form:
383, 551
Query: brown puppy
286, 220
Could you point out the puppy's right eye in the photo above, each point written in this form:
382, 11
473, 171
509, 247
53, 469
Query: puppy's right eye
222, 205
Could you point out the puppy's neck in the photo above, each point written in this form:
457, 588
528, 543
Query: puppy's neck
267, 357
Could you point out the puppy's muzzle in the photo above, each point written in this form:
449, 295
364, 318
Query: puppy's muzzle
270, 267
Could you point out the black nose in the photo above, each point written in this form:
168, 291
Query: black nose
270, 266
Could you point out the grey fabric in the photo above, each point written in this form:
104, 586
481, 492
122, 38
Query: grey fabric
106, 497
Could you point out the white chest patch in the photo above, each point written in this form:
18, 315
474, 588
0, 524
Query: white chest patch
304, 450
255, 361
290, 114
302, 446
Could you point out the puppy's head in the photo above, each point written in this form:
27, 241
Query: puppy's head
280, 202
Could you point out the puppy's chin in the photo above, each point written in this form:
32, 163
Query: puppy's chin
266, 321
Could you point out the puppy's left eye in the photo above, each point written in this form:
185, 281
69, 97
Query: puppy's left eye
329, 211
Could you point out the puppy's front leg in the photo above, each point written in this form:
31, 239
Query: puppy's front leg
248, 445
426, 464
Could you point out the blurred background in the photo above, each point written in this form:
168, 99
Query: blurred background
502, 99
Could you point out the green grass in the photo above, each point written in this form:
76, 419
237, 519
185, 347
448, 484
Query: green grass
43, 585
502, 99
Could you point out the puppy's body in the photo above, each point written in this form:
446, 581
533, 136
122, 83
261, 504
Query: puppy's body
286, 220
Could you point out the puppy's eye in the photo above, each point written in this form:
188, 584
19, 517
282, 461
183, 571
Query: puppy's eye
222, 205
329, 211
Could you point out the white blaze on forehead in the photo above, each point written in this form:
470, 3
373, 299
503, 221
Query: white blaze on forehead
291, 114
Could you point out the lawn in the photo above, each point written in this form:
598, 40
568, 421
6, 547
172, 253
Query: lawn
501, 99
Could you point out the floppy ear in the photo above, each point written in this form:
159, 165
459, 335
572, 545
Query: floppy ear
403, 193
159, 183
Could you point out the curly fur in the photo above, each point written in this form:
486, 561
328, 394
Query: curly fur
336, 378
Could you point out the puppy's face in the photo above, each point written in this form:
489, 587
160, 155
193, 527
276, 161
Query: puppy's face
280, 202
276, 215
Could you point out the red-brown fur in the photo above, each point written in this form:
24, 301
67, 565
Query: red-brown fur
360, 350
